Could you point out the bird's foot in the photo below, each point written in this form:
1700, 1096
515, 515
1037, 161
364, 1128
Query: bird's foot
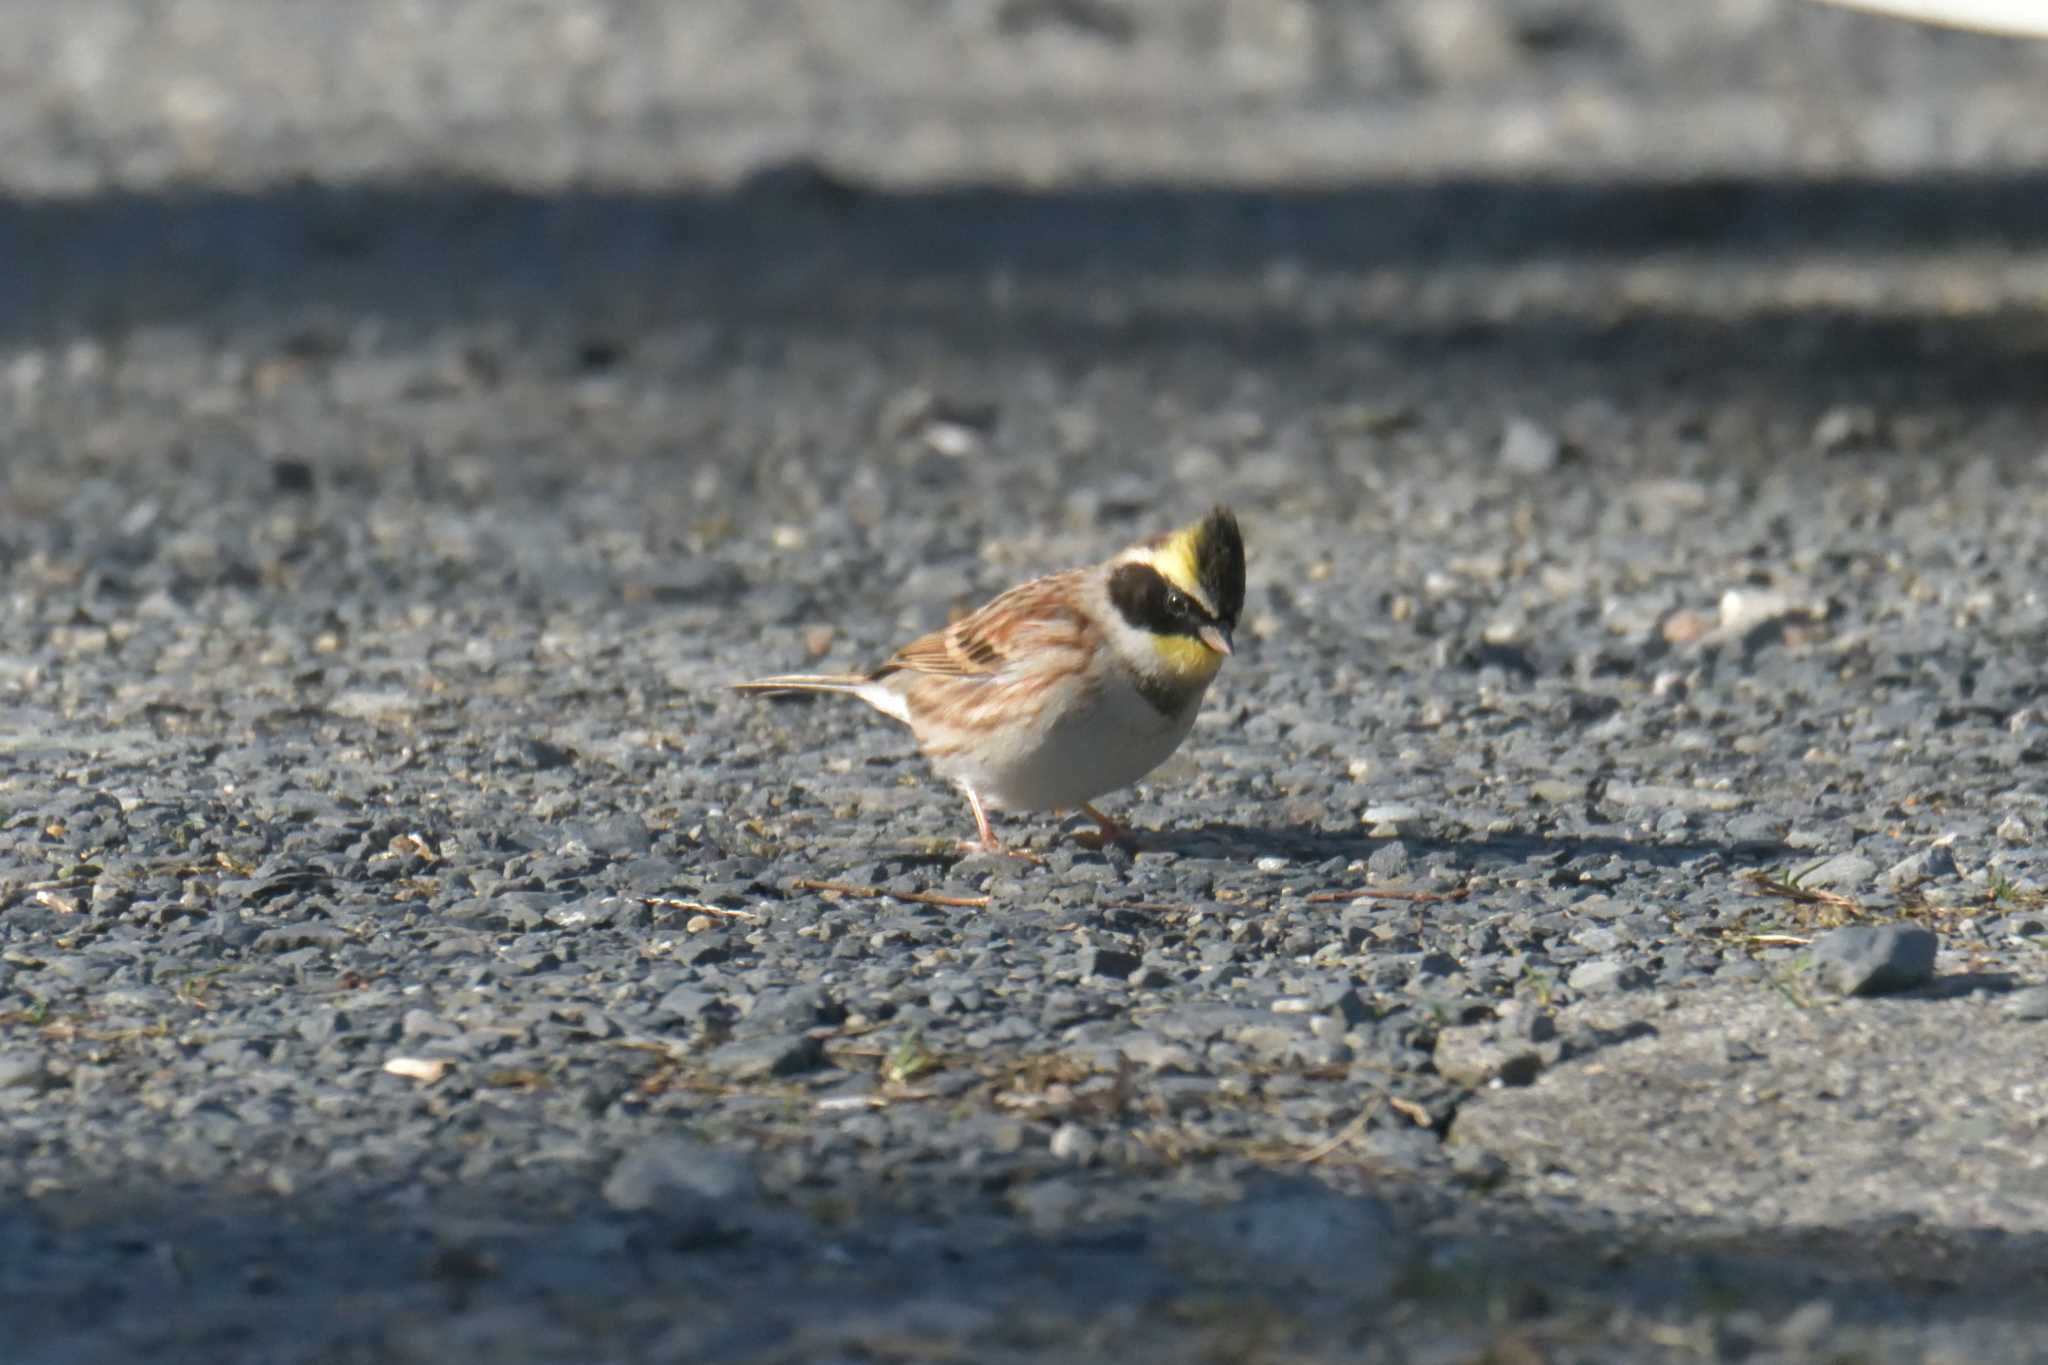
985, 840
1000, 850
1107, 831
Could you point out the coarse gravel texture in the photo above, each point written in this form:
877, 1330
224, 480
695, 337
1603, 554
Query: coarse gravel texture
410, 950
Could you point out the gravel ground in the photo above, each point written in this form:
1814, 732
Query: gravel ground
1600, 916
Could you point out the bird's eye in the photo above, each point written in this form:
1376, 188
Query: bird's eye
1176, 601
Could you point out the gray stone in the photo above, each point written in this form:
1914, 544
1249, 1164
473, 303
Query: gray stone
1928, 865
1389, 862
1345, 1005
313, 934
1527, 447
1606, 975
1270, 1042
666, 1171
321, 1027
1110, 962
425, 1024
1073, 1143
1476, 1055
22, 1071
1863, 959
2028, 1003
524, 911
622, 835
1048, 1206
1528, 1021
1848, 427
794, 1009
1477, 1167
705, 950
757, 1058
1158, 1054
1843, 872
1393, 819
1597, 938
686, 1001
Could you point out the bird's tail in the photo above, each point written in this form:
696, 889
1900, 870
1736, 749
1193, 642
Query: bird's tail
863, 685
807, 682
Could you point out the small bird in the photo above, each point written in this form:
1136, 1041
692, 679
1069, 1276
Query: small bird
1068, 686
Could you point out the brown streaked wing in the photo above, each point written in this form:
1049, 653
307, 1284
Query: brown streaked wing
1035, 615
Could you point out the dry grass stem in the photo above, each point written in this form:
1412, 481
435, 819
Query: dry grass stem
883, 893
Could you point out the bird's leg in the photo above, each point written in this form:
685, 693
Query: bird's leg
988, 836
1106, 831
988, 843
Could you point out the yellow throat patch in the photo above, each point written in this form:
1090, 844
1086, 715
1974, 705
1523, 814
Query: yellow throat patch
1185, 659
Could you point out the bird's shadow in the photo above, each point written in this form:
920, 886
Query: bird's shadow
1231, 842
1301, 847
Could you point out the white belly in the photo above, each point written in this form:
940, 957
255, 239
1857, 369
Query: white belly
1117, 740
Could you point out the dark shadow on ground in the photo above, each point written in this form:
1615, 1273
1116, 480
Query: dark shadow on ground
797, 252
1307, 844
1272, 1260
909, 235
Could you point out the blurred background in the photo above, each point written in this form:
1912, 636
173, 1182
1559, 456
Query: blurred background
216, 134
1434, 215
604, 170
105, 95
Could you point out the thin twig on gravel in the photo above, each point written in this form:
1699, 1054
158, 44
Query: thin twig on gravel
672, 903
1377, 893
1342, 1135
1773, 940
1773, 883
833, 1104
883, 893
1796, 998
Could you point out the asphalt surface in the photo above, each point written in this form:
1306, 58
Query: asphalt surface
413, 416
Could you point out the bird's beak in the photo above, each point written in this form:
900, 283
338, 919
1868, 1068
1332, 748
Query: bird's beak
1216, 637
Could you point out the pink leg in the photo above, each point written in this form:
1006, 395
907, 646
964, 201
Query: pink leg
988, 843
988, 836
